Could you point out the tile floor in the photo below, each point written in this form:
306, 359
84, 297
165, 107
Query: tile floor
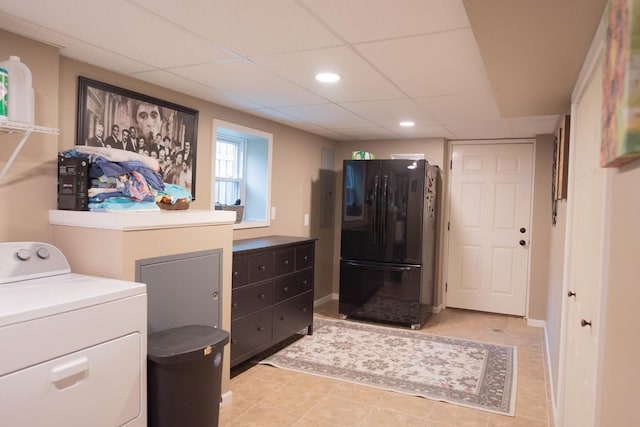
268, 396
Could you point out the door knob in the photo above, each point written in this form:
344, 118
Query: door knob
585, 323
522, 242
571, 294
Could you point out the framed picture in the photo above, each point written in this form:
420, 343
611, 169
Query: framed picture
621, 92
109, 116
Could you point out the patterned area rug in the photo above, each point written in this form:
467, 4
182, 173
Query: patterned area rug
468, 373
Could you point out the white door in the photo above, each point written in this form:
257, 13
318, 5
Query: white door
585, 230
489, 218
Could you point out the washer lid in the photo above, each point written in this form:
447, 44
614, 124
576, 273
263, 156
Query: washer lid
31, 299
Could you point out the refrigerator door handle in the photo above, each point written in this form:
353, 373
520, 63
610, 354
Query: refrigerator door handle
376, 184
373, 266
383, 210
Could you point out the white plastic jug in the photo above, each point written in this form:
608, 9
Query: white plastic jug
21, 95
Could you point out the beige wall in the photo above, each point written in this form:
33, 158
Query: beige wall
555, 296
540, 228
28, 190
620, 375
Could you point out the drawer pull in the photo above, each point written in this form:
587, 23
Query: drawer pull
234, 304
261, 296
304, 282
262, 267
285, 262
304, 309
260, 328
235, 274
306, 257
233, 341
285, 289
69, 369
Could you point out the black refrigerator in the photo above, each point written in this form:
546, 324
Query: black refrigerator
388, 240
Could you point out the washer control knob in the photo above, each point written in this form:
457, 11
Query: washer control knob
43, 253
23, 254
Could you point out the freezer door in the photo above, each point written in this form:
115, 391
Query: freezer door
383, 210
383, 292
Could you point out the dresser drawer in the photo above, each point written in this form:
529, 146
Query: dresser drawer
249, 335
284, 262
304, 256
292, 315
251, 298
292, 285
240, 271
260, 266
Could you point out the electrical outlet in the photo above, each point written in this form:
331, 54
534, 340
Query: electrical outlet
273, 212
306, 219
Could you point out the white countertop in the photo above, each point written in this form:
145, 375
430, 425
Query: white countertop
128, 221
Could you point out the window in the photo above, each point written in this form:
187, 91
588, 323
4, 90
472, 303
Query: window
229, 170
242, 172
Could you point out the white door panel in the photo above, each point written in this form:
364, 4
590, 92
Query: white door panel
490, 204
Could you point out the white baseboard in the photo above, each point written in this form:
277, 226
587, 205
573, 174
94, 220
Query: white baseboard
554, 404
437, 309
227, 398
536, 323
324, 299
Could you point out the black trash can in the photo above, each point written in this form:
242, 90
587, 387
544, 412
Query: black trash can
184, 374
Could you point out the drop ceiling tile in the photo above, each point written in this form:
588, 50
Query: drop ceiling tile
249, 81
528, 127
470, 129
359, 81
329, 116
120, 27
455, 108
357, 20
390, 113
73, 48
189, 87
247, 27
422, 131
440, 64
372, 133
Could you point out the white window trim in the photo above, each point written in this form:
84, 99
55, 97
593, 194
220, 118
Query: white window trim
269, 137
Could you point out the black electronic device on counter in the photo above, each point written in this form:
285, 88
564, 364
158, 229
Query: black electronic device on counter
73, 183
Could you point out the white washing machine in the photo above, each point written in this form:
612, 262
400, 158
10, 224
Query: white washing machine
73, 348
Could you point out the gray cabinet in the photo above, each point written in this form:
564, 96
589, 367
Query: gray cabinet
272, 292
182, 289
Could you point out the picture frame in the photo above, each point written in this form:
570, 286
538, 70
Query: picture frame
620, 89
108, 116
561, 160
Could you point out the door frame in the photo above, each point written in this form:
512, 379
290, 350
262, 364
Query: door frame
447, 210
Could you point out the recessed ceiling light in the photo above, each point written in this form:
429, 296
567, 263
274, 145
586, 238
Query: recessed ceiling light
327, 77
407, 124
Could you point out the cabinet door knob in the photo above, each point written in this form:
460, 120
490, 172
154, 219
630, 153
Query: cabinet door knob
233, 341
584, 323
306, 257
262, 267
235, 274
260, 328
523, 230
304, 282
235, 304
285, 262
285, 289
304, 309
261, 296
571, 294
522, 243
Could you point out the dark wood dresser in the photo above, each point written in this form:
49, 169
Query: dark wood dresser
272, 295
